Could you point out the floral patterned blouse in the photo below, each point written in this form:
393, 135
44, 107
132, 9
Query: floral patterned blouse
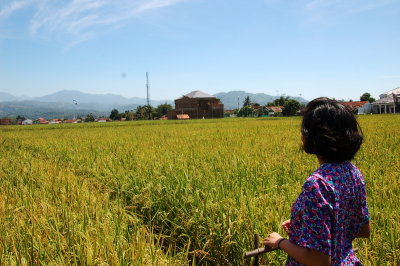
329, 212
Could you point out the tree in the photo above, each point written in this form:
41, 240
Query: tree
129, 115
89, 118
261, 111
281, 101
247, 101
115, 114
367, 97
163, 109
145, 112
290, 107
245, 111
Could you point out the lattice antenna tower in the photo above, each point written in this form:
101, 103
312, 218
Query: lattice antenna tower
148, 88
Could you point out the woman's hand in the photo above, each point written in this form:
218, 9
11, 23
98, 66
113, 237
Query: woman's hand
272, 240
286, 226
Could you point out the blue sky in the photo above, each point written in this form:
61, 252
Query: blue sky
334, 48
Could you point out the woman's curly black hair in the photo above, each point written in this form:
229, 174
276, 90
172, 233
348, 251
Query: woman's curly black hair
330, 130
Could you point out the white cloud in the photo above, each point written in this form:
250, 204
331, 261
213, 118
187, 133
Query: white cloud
156, 4
80, 20
350, 6
12, 7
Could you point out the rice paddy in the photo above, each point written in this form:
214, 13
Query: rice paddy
174, 192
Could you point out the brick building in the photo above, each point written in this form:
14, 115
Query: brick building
5, 121
197, 104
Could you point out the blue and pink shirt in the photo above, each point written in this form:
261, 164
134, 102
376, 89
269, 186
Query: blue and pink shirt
329, 212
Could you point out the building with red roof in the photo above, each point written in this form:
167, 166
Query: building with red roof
41, 120
359, 107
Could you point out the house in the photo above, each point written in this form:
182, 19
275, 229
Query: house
70, 121
41, 120
389, 103
27, 122
230, 113
5, 121
197, 104
358, 107
273, 110
164, 117
183, 117
55, 121
102, 119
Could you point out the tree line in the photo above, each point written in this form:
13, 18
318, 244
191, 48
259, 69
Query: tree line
142, 112
290, 107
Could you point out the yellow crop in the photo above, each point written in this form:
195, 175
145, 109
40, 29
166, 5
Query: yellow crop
174, 192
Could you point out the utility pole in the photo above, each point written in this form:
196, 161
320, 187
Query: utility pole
148, 88
76, 109
148, 95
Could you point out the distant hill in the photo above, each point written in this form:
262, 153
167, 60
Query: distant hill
67, 96
230, 99
6, 97
33, 110
69, 103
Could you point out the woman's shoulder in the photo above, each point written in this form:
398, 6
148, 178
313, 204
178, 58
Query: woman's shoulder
318, 182
334, 174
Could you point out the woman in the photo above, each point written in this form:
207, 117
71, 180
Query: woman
331, 210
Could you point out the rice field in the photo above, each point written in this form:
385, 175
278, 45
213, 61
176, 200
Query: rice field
174, 192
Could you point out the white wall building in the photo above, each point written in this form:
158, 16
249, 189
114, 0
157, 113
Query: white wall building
359, 107
27, 122
389, 102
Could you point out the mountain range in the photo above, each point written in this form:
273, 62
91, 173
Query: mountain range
234, 99
80, 98
68, 103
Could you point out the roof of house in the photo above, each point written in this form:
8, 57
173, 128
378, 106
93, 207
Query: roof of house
199, 94
183, 116
390, 93
276, 109
355, 104
230, 111
384, 100
42, 120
